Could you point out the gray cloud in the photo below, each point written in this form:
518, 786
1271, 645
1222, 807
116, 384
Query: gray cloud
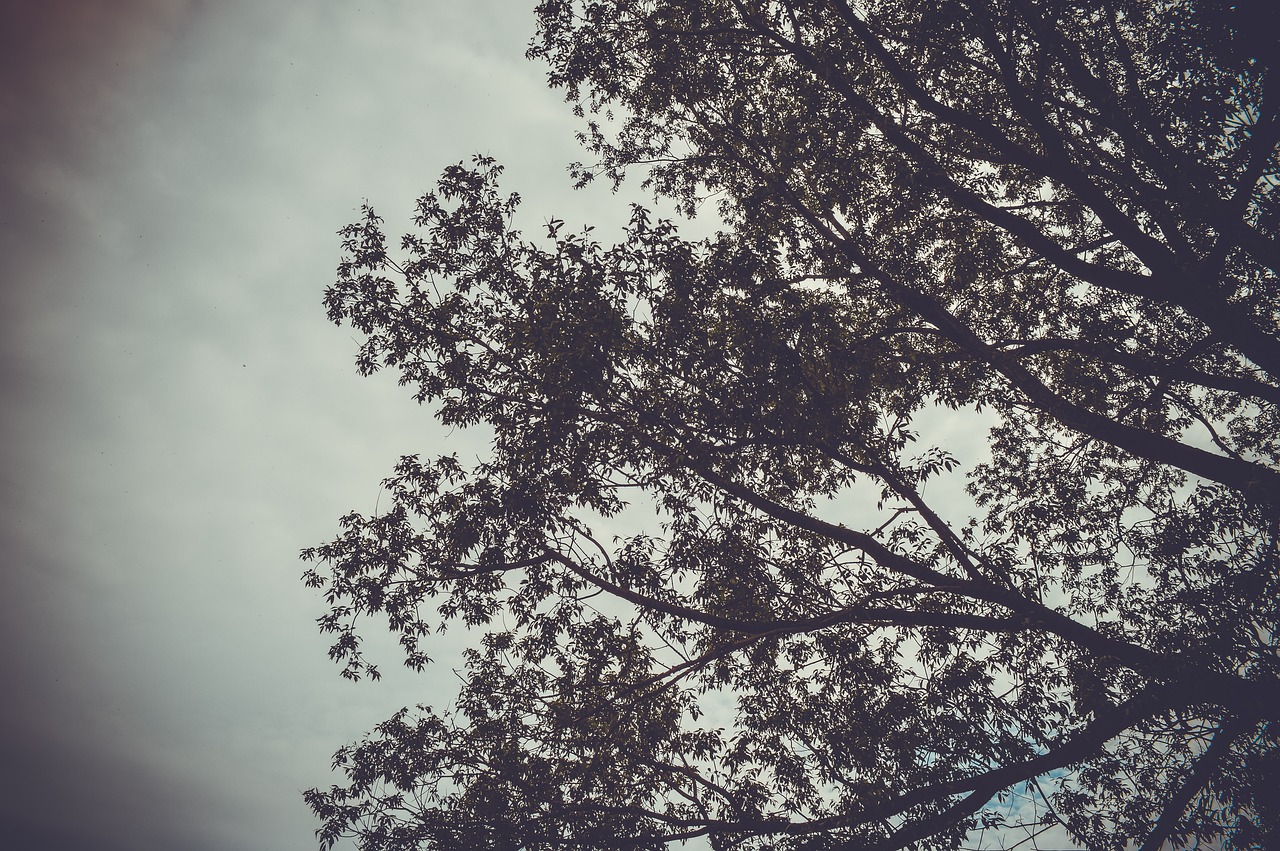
178, 418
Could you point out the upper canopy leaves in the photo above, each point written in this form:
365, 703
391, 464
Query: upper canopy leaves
1058, 220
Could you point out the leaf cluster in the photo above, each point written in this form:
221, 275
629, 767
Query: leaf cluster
712, 591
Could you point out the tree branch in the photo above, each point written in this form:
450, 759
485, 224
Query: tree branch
1195, 781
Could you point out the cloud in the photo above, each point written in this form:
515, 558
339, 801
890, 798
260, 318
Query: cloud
63, 70
177, 418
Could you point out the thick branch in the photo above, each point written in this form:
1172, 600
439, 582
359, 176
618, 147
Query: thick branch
1257, 483
1171, 370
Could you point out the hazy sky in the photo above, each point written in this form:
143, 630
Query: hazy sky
178, 418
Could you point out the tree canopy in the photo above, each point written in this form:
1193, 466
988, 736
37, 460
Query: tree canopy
720, 586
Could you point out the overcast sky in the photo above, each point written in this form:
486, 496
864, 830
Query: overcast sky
178, 417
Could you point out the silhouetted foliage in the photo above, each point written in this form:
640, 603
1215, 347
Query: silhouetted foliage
719, 585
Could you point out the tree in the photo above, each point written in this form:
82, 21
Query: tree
712, 593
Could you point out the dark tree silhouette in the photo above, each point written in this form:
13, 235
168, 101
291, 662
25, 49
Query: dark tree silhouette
1053, 222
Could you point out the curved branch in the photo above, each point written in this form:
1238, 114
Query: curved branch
1172, 370
759, 628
